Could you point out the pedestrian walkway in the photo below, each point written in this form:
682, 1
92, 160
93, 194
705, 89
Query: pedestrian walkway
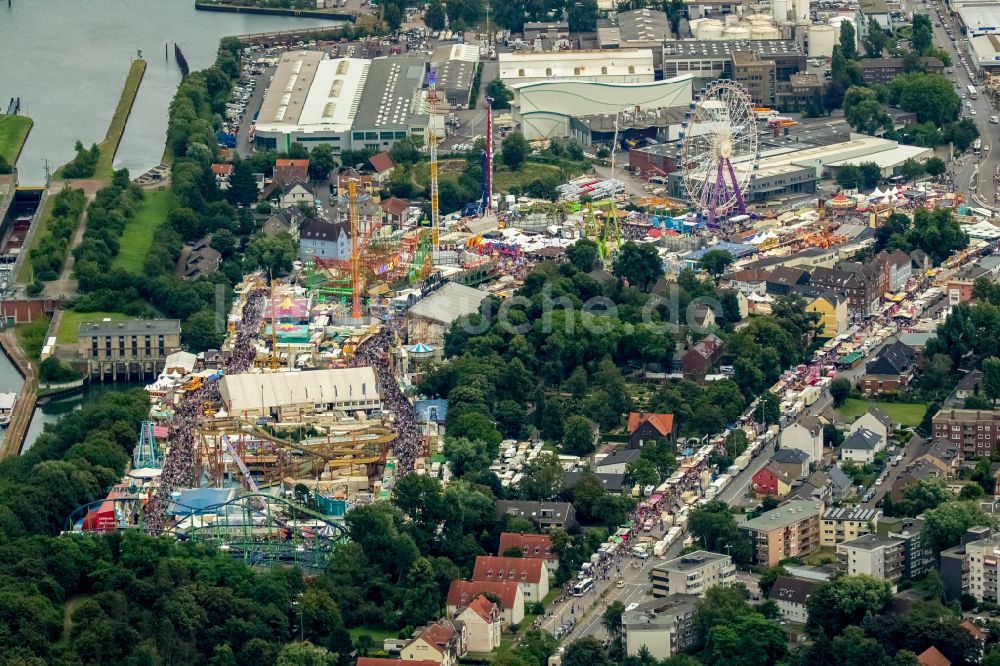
17, 429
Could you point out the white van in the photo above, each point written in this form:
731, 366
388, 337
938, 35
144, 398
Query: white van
995, 120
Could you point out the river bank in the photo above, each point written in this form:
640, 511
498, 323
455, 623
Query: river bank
333, 15
14, 131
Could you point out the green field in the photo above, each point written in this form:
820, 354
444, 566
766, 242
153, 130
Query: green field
13, 131
71, 320
907, 413
378, 634
24, 272
139, 232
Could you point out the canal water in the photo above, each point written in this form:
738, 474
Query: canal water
67, 61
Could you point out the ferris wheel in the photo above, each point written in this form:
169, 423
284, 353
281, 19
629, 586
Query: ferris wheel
718, 152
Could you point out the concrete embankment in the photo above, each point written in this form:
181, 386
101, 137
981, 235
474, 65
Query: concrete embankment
26, 399
275, 11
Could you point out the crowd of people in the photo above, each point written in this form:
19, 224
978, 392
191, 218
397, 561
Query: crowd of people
178, 470
374, 352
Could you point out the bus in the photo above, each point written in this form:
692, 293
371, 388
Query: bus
973, 93
977, 146
584, 586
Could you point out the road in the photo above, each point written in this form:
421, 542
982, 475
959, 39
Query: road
972, 174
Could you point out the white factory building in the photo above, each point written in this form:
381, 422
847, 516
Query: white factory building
545, 109
611, 66
348, 103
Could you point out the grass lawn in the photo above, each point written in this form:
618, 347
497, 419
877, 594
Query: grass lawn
139, 232
824, 555
13, 131
504, 179
378, 634
909, 414
70, 323
32, 337
24, 272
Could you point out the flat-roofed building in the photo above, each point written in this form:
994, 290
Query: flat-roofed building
757, 76
693, 574
872, 555
289, 396
616, 66
975, 432
664, 626
791, 530
127, 348
711, 60
842, 524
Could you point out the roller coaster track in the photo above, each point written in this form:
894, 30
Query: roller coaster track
258, 528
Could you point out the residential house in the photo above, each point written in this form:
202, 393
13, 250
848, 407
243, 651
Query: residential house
748, 281
791, 595
287, 171
320, 239
921, 262
704, 354
482, 620
535, 546
834, 316
911, 475
462, 592
545, 515
863, 292
693, 573
874, 420
530, 574
664, 627
222, 172
970, 384
702, 317
872, 555
613, 483
943, 455
816, 487
294, 193
770, 481
202, 260
840, 524
891, 370
861, 446
364, 183
644, 427
841, 485
383, 166
975, 431
881, 71
806, 435
284, 221
899, 266
782, 280
933, 657
443, 642
395, 211
794, 463
791, 530
617, 461
386, 661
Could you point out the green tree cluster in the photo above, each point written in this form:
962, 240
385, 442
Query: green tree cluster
49, 254
84, 163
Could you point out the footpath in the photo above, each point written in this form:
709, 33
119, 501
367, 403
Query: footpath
26, 399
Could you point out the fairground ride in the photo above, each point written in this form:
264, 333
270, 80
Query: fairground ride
257, 528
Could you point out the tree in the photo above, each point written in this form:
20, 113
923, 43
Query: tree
321, 162
578, 436
961, 133
611, 619
849, 177
715, 527
715, 263
868, 116
935, 167
242, 184
875, 39
848, 40
639, 264
768, 408
582, 254
871, 174
991, 378
911, 170
922, 496
405, 151
273, 254
768, 578
832, 436
971, 491
923, 34
751, 640
641, 473
840, 391
393, 17
514, 151
542, 478
203, 330
945, 524
931, 97
434, 17
305, 654
583, 16
844, 601
501, 94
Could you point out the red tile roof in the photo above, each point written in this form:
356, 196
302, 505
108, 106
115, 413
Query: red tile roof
975, 631
394, 206
384, 661
511, 569
664, 423
298, 164
381, 162
437, 637
461, 592
483, 607
222, 169
531, 545
933, 657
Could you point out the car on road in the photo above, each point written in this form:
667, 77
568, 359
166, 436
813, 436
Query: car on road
620, 584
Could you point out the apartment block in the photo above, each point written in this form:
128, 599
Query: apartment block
842, 524
692, 574
791, 530
975, 432
871, 555
663, 626
982, 558
917, 558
